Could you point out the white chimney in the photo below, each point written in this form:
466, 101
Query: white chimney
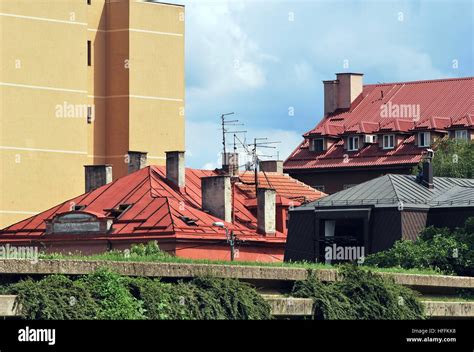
266, 211
97, 176
217, 196
136, 161
341, 93
175, 168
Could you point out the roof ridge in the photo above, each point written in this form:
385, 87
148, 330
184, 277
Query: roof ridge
420, 81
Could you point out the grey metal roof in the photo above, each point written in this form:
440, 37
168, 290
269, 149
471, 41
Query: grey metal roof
393, 190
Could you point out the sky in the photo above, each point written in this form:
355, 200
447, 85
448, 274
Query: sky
265, 60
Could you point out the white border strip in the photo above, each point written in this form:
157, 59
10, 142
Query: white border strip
7, 84
136, 30
134, 96
43, 150
19, 212
42, 19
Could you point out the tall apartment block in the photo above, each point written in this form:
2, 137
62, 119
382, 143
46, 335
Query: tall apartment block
83, 82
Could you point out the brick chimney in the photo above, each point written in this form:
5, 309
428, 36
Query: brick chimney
271, 166
97, 176
266, 211
136, 161
230, 164
175, 168
217, 196
341, 93
426, 176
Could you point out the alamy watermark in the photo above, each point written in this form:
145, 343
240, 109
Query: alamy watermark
68, 110
345, 253
404, 111
21, 252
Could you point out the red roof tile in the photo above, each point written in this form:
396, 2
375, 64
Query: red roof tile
158, 209
442, 104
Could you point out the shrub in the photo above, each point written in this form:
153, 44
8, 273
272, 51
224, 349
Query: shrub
360, 294
107, 295
55, 297
451, 252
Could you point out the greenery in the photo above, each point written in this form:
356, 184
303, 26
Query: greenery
107, 295
151, 253
450, 252
360, 294
453, 158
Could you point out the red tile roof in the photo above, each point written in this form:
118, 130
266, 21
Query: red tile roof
158, 209
443, 104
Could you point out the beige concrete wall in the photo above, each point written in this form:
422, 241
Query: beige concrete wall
43, 65
156, 79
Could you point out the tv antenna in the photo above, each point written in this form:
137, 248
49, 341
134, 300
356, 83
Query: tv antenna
225, 125
260, 143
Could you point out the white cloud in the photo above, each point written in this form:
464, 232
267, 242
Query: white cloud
221, 56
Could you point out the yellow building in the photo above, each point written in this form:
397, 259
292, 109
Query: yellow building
83, 82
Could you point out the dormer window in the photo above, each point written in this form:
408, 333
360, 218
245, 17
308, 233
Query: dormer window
460, 135
388, 141
424, 139
317, 145
353, 143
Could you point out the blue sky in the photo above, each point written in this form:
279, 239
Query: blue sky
264, 59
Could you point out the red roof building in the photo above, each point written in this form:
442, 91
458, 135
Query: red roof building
147, 205
371, 130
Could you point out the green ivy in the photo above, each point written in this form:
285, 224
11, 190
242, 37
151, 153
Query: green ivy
107, 295
360, 294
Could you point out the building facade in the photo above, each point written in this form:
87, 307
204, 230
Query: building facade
83, 82
190, 213
371, 130
372, 216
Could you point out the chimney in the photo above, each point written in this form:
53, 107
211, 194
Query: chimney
271, 166
97, 176
266, 211
427, 171
330, 97
341, 93
175, 168
230, 164
136, 161
217, 196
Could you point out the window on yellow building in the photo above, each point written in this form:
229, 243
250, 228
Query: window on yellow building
89, 53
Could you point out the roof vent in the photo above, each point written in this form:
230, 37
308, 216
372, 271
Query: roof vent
118, 211
189, 221
78, 207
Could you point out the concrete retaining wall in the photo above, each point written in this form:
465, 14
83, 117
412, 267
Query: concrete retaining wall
180, 270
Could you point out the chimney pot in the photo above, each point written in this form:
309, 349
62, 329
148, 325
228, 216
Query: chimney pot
97, 176
271, 166
175, 168
427, 171
341, 93
266, 211
136, 161
217, 196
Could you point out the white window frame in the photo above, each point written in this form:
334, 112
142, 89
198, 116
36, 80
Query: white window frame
388, 138
464, 135
427, 139
353, 138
